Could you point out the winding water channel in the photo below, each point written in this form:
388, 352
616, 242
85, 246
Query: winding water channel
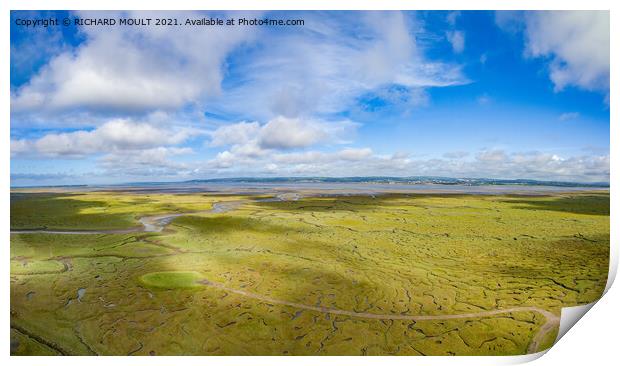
157, 223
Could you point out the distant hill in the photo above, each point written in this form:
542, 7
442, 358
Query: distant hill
420, 180
403, 180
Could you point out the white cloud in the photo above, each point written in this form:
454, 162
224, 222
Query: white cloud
576, 44
115, 135
391, 48
284, 86
318, 157
287, 133
326, 67
351, 154
20, 147
319, 69
538, 165
491, 156
251, 139
510, 21
301, 157
28, 53
252, 145
149, 162
457, 40
363, 162
122, 69
238, 133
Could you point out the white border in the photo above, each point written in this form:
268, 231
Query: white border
591, 342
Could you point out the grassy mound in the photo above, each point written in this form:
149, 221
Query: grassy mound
423, 254
171, 280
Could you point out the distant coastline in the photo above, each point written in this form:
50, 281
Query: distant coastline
405, 180
370, 180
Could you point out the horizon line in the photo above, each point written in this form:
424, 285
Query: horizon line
370, 178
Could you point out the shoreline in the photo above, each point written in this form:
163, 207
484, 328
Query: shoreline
317, 188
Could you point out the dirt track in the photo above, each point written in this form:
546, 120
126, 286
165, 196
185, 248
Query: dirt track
552, 320
158, 222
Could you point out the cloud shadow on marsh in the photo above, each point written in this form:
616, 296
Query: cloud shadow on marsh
591, 204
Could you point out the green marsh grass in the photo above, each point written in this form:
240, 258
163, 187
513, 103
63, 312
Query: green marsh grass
421, 254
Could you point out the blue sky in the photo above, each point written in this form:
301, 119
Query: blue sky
458, 94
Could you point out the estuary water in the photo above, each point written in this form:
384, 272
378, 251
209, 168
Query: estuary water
341, 188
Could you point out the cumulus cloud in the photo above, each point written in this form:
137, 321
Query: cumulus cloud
251, 144
235, 134
251, 138
286, 87
354, 161
460, 164
121, 69
325, 68
115, 135
321, 68
352, 154
118, 148
457, 40
575, 43
290, 133
287, 133
547, 166
318, 157
490, 156
146, 163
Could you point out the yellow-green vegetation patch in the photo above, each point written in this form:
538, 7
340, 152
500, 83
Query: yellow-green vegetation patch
65, 211
100, 210
24, 345
171, 279
423, 254
28, 267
